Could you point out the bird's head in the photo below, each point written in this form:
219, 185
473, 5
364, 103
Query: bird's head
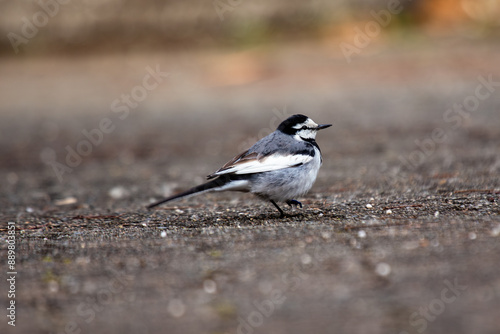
301, 126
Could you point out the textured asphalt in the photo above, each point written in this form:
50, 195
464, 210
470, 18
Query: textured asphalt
400, 233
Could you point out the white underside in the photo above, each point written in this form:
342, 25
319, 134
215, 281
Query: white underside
290, 183
238, 185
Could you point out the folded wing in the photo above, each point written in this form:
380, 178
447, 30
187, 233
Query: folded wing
249, 163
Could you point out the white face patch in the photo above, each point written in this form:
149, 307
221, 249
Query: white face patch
306, 130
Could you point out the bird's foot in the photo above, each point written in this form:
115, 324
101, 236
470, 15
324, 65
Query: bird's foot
292, 202
282, 214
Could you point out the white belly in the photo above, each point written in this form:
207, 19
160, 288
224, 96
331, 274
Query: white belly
289, 183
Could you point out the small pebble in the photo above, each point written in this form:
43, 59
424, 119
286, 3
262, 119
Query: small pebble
176, 308
65, 201
209, 286
436, 214
163, 234
383, 269
117, 192
362, 234
326, 235
495, 231
53, 286
472, 236
369, 206
305, 259
388, 211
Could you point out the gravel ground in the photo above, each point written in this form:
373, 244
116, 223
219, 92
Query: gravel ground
400, 234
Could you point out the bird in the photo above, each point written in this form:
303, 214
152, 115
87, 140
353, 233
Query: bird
278, 168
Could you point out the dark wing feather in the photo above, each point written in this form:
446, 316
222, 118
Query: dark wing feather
239, 159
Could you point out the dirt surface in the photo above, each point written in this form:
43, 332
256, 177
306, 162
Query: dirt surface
400, 234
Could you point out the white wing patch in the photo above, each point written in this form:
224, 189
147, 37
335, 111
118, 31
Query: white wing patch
270, 163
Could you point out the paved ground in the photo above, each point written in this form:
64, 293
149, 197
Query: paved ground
399, 235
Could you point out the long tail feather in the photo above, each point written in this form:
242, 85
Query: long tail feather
218, 184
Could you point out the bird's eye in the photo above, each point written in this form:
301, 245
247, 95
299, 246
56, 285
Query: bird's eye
303, 127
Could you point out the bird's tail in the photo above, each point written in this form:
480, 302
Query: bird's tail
219, 184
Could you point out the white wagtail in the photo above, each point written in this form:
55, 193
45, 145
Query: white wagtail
278, 168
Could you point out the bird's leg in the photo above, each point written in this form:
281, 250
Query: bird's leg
294, 202
282, 214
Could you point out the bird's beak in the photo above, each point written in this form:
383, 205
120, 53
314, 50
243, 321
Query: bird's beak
323, 126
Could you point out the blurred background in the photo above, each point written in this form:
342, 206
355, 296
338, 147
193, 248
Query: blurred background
107, 105
180, 78
90, 26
